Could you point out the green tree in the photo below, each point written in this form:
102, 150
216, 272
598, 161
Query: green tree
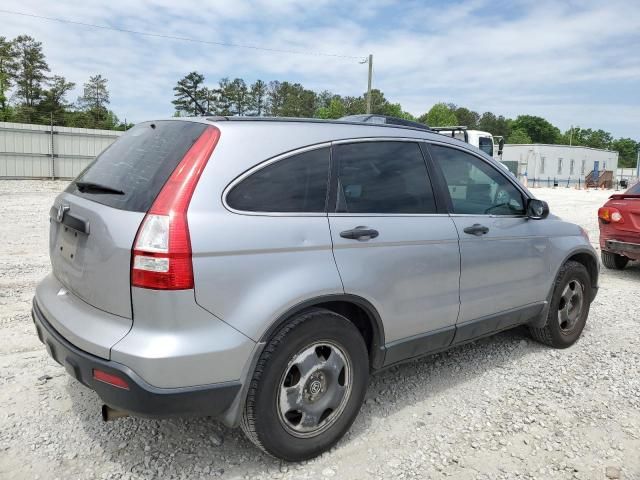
288, 99
440, 115
95, 94
496, 125
627, 149
8, 70
188, 92
466, 117
519, 136
538, 129
257, 104
238, 95
335, 109
54, 100
30, 75
209, 100
94, 101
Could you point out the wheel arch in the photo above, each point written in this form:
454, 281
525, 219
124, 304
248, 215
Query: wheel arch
583, 256
591, 263
357, 310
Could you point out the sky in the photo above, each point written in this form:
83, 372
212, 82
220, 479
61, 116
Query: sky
572, 62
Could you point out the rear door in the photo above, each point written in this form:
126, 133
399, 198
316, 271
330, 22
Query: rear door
504, 255
94, 222
392, 245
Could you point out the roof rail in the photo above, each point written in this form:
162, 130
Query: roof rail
406, 124
452, 127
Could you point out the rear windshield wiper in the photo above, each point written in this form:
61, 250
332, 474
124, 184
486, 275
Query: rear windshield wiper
91, 187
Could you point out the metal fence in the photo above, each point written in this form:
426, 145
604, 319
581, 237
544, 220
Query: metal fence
41, 151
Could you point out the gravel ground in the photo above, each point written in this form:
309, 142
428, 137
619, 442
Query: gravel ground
503, 407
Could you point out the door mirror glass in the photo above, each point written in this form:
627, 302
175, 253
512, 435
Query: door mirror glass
537, 209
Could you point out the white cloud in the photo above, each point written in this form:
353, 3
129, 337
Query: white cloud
544, 57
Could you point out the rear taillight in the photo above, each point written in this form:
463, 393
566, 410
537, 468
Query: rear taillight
610, 215
161, 257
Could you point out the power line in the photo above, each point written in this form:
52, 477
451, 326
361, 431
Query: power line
174, 37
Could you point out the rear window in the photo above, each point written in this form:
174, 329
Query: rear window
138, 164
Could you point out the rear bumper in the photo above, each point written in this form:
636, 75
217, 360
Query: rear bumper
628, 249
141, 398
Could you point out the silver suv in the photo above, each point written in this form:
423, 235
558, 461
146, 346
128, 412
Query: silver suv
258, 270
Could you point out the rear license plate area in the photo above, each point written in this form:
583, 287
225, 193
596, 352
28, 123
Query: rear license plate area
67, 245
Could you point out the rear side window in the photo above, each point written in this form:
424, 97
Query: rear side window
297, 184
138, 164
383, 177
635, 190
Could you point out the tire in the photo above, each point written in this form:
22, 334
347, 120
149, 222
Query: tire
569, 307
307, 387
613, 260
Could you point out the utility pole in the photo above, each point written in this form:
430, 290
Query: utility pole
51, 148
369, 87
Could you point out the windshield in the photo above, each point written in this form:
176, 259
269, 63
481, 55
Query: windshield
635, 190
486, 145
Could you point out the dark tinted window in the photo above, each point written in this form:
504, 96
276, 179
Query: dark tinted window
486, 145
476, 187
295, 184
383, 177
139, 163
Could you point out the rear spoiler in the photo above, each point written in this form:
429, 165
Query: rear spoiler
621, 196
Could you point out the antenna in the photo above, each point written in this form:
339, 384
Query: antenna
202, 110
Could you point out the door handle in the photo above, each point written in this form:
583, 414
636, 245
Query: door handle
477, 230
360, 233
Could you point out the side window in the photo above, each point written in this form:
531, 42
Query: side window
295, 184
486, 145
383, 177
476, 188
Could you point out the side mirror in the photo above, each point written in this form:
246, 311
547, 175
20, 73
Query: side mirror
500, 146
537, 209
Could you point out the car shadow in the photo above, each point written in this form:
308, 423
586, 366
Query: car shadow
140, 444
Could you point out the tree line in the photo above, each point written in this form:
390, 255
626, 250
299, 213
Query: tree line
29, 93
286, 99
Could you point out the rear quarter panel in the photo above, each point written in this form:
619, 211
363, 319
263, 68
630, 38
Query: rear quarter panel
251, 268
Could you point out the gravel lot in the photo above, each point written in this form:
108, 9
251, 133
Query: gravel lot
503, 407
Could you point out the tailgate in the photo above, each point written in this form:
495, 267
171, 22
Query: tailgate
90, 250
95, 221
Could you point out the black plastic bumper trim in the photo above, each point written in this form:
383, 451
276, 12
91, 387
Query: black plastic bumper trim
141, 399
616, 246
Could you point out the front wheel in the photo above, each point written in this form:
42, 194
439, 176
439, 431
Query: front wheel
613, 260
308, 386
569, 307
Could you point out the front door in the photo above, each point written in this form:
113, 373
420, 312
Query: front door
504, 255
393, 246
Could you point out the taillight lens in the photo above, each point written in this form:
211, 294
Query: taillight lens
162, 249
610, 215
110, 379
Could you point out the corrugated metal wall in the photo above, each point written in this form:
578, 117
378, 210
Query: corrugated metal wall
39, 151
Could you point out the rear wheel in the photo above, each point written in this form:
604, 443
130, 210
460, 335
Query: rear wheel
308, 386
613, 260
569, 307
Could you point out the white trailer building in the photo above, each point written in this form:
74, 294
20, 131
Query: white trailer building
562, 163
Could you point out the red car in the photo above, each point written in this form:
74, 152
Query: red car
619, 221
